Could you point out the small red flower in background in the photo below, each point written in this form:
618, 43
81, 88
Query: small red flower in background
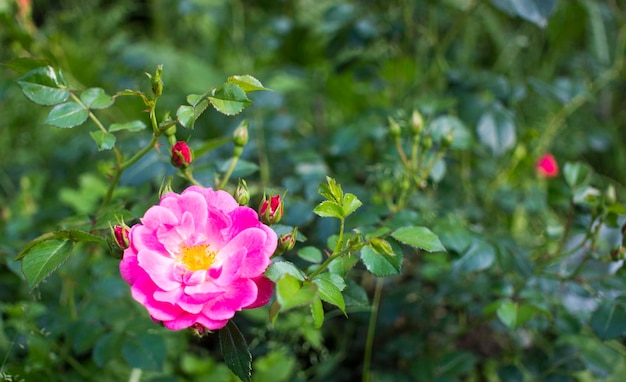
181, 155
547, 166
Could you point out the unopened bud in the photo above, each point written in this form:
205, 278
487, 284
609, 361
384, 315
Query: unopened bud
381, 246
417, 122
617, 253
181, 155
446, 141
394, 128
120, 233
242, 195
426, 143
286, 242
610, 196
240, 135
156, 82
271, 210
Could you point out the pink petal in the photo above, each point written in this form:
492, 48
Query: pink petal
129, 267
266, 290
257, 257
241, 293
160, 268
143, 290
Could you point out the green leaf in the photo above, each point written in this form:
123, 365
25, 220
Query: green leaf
496, 129
329, 292
278, 269
331, 191
187, 115
456, 363
144, 351
609, 320
381, 264
355, 296
105, 141
44, 86
194, 99
74, 235
96, 98
23, 65
350, 204
576, 174
291, 292
450, 125
235, 351
106, 348
317, 311
130, 126
419, 237
246, 82
229, 99
310, 254
477, 257
329, 209
43, 259
68, 114
513, 314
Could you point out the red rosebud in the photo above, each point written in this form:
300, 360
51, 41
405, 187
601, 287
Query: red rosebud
271, 211
120, 234
286, 242
547, 166
181, 155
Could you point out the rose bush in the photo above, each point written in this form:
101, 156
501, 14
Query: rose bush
197, 258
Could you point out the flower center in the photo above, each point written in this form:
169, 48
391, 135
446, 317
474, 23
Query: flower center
197, 257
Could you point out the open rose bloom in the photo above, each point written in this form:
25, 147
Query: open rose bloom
197, 258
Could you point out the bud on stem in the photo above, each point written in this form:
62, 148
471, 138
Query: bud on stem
271, 210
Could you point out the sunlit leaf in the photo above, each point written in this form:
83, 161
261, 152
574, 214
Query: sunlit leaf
381, 264
43, 259
44, 86
96, 98
291, 292
329, 209
229, 99
419, 237
68, 114
317, 311
246, 82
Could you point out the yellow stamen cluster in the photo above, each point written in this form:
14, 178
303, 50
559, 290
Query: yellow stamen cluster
197, 257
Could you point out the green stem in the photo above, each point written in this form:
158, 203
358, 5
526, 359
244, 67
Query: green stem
229, 172
403, 157
120, 169
135, 375
92, 116
371, 330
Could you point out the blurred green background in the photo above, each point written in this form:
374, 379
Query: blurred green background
510, 79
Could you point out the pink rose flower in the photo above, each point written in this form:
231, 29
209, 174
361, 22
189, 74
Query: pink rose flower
197, 258
547, 166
